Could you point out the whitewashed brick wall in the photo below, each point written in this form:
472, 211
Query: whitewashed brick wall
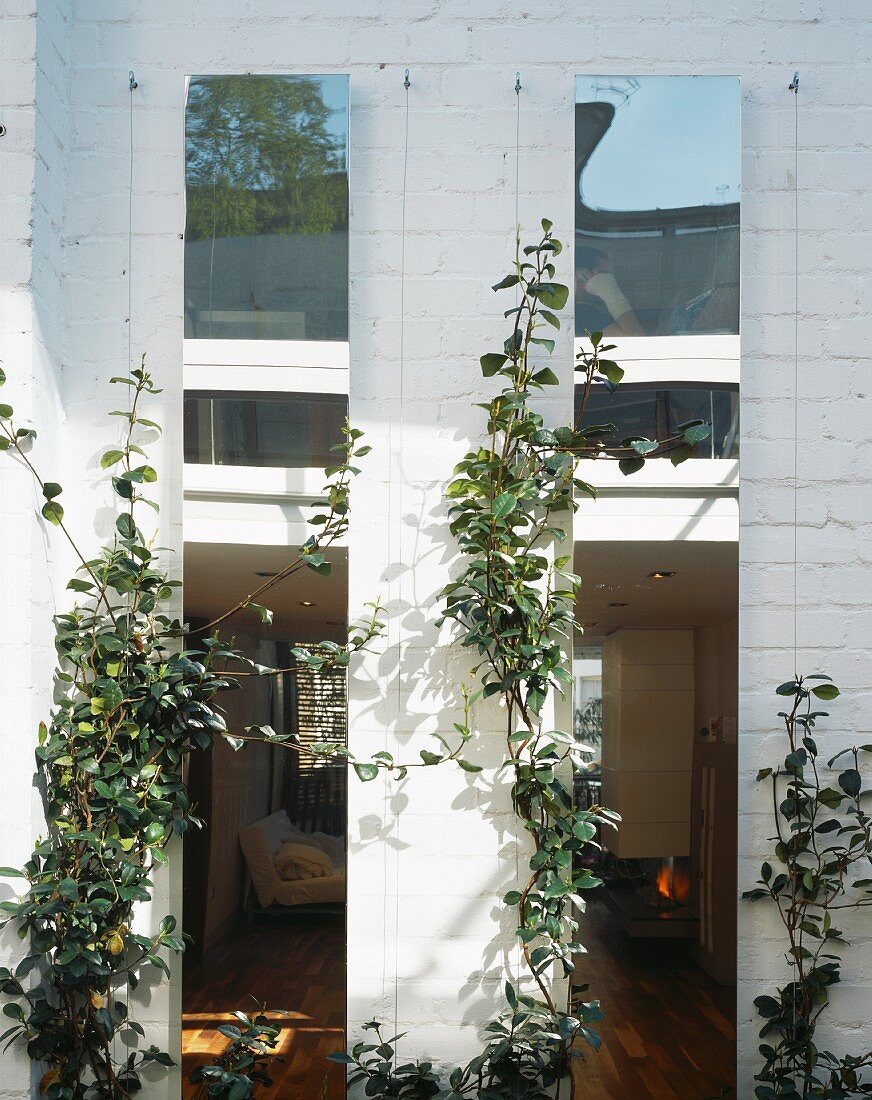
64, 325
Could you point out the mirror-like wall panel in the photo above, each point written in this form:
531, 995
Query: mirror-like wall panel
266, 240
266, 324
657, 205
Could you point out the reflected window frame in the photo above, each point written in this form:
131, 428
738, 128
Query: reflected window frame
612, 310
226, 428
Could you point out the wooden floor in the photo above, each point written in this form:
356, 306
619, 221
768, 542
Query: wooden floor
669, 1032
297, 964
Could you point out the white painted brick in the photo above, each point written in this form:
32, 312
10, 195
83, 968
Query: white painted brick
463, 57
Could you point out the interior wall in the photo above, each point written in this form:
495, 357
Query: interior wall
716, 661
647, 753
241, 795
715, 799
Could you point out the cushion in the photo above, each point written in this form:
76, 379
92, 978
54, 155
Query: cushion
333, 846
294, 861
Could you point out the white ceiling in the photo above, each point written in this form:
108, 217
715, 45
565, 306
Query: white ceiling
218, 575
703, 592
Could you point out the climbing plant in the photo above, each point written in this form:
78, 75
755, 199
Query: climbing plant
245, 1064
513, 604
136, 693
822, 863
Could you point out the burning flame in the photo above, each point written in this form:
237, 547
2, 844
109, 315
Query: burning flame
664, 883
671, 883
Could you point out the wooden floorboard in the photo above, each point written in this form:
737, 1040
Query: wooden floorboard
298, 965
669, 1032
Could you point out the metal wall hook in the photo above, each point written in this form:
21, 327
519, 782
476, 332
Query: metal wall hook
2, 130
794, 85
132, 80
406, 82
517, 83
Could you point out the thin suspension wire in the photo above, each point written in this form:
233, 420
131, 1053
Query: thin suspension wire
398, 683
132, 86
794, 87
517, 952
518, 153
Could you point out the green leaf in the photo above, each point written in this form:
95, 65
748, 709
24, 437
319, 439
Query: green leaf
504, 284
266, 616
11, 872
53, 512
51, 489
826, 691
366, 772
546, 376
552, 295
2, 376
610, 370
629, 466
504, 504
697, 434
125, 526
110, 458
491, 363
5, 412
681, 454
850, 782
468, 767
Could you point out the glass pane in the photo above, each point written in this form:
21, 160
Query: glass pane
287, 430
657, 412
266, 240
657, 205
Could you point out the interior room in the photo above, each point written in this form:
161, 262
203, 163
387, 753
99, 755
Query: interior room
264, 880
655, 697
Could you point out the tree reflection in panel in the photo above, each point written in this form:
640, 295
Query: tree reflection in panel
657, 205
266, 242
266, 258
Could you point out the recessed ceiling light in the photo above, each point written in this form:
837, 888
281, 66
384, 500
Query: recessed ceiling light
660, 574
306, 603
616, 605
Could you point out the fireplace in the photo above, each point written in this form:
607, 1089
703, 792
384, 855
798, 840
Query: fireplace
651, 897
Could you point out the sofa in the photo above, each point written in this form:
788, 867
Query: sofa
267, 841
